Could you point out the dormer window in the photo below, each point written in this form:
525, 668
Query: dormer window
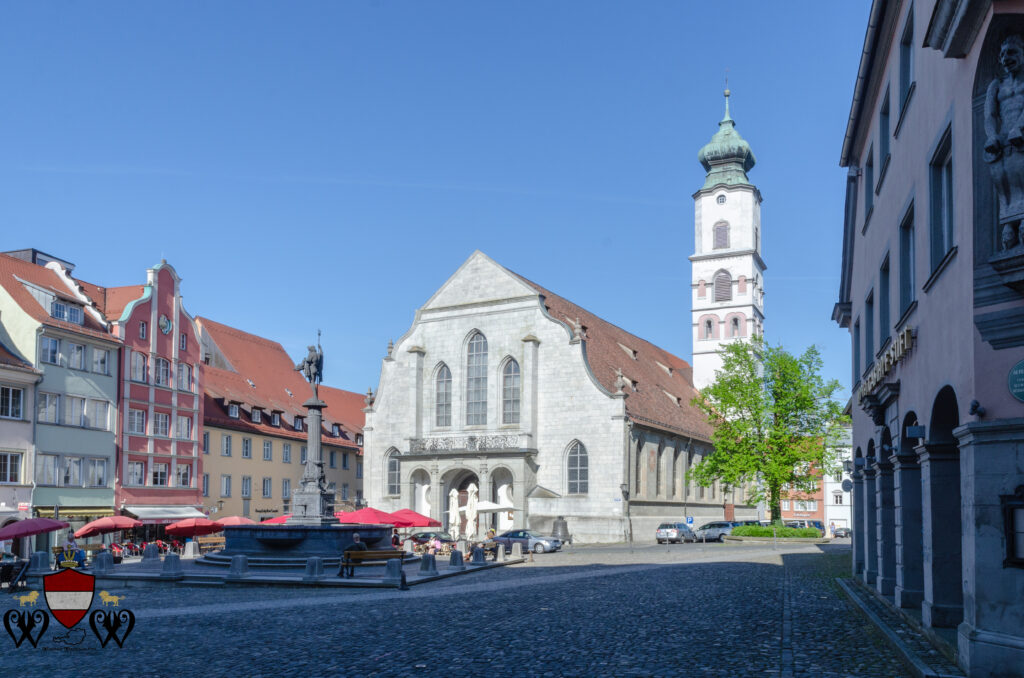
142, 329
59, 310
335, 430
298, 423
275, 419
257, 415
233, 410
359, 439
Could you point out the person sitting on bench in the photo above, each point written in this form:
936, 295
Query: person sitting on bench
345, 563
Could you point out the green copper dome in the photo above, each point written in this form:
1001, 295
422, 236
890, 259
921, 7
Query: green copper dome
727, 157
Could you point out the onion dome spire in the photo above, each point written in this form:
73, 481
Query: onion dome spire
727, 157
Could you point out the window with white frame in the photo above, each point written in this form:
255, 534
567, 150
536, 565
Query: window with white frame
268, 450
75, 314
510, 393
286, 489
183, 342
100, 360
184, 377
359, 439
298, 423
99, 414
344, 491
138, 367
394, 473
941, 194
206, 442
275, 419
233, 411
10, 467
11, 402
302, 455
183, 427
71, 471
76, 411
246, 487
142, 329
335, 430
183, 475
225, 485
805, 505
286, 453
96, 472
160, 474
225, 445
837, 499
161, 424
785, 504
162, 372
76, 356
476, 380
443, 397
58, 309
206, 484
268, 487
137, 421
46, 469
246, 448
136, 473
257, 415
49, 350
359, 469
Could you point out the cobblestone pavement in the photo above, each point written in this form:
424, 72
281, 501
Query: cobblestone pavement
674, 610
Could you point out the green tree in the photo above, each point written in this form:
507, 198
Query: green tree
776, 422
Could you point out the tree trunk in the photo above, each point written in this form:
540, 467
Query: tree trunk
775, 503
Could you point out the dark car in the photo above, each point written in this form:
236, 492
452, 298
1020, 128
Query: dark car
530, 540
843, 532
424, 537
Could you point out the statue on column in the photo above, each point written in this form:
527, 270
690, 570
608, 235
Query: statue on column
312, 366
1004, 141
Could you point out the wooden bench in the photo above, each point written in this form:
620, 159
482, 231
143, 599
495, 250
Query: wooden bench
210, 543
361, 558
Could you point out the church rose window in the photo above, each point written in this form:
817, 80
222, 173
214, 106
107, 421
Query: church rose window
443, 397
723, 287
476, 381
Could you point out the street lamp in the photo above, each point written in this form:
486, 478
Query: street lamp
624, 488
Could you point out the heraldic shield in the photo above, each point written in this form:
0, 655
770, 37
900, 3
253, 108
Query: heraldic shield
69, 595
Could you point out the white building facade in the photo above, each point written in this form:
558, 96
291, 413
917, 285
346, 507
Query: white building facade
506, 392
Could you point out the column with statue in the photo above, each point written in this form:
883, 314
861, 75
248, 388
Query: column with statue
312, 502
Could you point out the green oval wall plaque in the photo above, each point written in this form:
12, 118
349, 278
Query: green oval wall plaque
1015, 381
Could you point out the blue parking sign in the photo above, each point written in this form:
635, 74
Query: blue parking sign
689, 520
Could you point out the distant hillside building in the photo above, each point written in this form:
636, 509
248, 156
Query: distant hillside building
547, 409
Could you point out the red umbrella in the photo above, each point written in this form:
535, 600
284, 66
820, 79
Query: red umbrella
193, 527
410, 518
30, 527
108, 524
235, 520
369, 516
279, 520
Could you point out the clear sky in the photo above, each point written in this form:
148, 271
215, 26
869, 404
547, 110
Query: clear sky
330, 164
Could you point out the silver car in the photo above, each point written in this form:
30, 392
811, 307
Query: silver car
530, 540
673, 533
714, 531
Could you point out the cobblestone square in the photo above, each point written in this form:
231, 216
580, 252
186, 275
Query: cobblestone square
674, 610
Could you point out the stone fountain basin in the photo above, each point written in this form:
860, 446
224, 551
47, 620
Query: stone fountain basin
302, 541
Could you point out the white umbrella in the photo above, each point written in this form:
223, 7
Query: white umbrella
490, 507
471, 512
453, 513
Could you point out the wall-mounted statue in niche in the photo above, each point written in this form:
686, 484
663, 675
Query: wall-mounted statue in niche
1004, 140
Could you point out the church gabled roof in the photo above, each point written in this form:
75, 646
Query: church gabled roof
727, 157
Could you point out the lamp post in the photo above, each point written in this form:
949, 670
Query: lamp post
624, 488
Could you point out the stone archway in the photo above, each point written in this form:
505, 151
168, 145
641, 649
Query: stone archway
460, 481
421, 499
502, 491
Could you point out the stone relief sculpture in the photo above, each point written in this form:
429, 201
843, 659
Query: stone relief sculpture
1004, 141
471, 503
453, 513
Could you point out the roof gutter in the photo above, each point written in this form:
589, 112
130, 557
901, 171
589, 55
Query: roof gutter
863, 71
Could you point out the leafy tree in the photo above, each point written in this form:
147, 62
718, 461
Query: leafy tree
776, 422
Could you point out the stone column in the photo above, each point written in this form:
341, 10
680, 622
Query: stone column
991, 637
909, 589
941, 534
528, 408
436, 496
885, 582
870, 518
418, 396
857, 518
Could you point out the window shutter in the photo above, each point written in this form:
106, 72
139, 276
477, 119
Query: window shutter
723, 287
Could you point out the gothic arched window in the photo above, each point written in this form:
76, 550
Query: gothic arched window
577, 468
394, 476
443, 397
476, 380
723, 286
510, 393
721, 240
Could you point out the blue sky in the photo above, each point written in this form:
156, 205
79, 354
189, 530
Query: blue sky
329, 164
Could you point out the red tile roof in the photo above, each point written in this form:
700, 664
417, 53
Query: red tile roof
276, 386
661, 400
13, 271
10, 359
111, 301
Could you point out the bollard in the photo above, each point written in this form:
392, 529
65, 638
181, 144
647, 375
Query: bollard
428, 565
314, 569
191, 550
462, 545
499, 553
456, 562
103, 562
409, 546
517, 550
477, 557
393, 572
172, 567
239, 567
151, 555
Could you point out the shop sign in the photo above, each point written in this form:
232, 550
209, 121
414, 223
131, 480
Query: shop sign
1015, 381
897, 350
23, 506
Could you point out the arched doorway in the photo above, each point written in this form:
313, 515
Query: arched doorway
909, 591
462, 489
421, 492
501, 490
941, 508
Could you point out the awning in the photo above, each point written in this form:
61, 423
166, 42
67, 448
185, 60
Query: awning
163, 515
75, 511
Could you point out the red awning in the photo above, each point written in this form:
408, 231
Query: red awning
193, 527
410, 518
107, 524
368, 515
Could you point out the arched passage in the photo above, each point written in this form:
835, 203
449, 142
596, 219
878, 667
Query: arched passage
459, 485
502, 490
420, 491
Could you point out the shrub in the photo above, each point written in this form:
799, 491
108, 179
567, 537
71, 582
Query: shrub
781, 532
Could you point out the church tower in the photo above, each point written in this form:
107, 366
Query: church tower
728, 272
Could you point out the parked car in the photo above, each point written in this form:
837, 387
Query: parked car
530, 540
424, 537
713, 531
816, 524
756, 523
843, 532
673, 532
